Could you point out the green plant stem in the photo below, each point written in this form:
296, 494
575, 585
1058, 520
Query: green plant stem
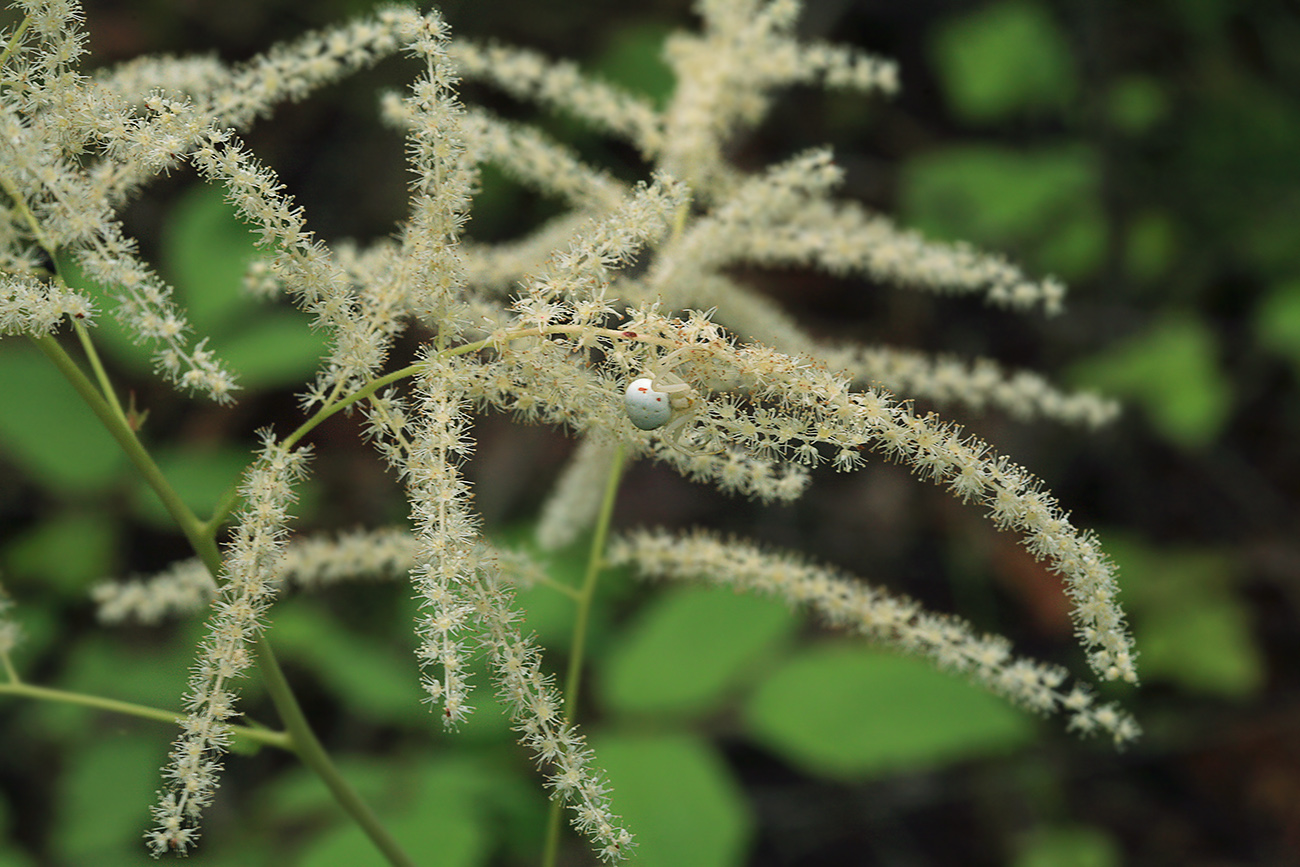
105, 387
203, 543
464, 349
16, 39
10, 671
265, 737
313, 755
587, 594
578, 644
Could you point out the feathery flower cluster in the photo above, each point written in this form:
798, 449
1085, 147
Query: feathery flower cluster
250, 580
446, 532
537, 713
460, 596
552, 328
308, 562
896, 622
59, 198
28, 306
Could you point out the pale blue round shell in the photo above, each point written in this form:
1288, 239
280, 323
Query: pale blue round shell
648, 409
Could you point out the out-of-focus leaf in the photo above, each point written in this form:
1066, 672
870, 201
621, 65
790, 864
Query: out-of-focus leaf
199, 477
634, 59
276, 349
446, 820
46, 430
1042, 205
1067, 846
1277, 321
70, 550
1172, 371
687, 648
205, 251
1137, 103
1191, 626
107, 790
377, 682
1151, 246
845, 711
1002, 59
678, 797
1235, 171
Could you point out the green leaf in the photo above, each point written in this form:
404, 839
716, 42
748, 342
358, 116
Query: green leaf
377, 681
633, 59
277, 349
205, 251
1150, 246
70, 550
1206, 648
1042, 205
848, 712
1137, 103
1191, 624
1172, 371
1069, 846
1006, 58
678, 797
688, 648
444, 821
48, 432
199, 475
12, 857
297, 796
1277, 321
105, 798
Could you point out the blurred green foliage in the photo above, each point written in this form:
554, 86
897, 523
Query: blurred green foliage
1002, 60
1171, 371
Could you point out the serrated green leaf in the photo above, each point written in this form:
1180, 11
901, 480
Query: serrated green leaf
1003, 59
1172, 371
46, 430
688, 648
849, 712
678, 797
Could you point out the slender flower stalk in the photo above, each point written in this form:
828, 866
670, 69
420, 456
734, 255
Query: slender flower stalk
250, 580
